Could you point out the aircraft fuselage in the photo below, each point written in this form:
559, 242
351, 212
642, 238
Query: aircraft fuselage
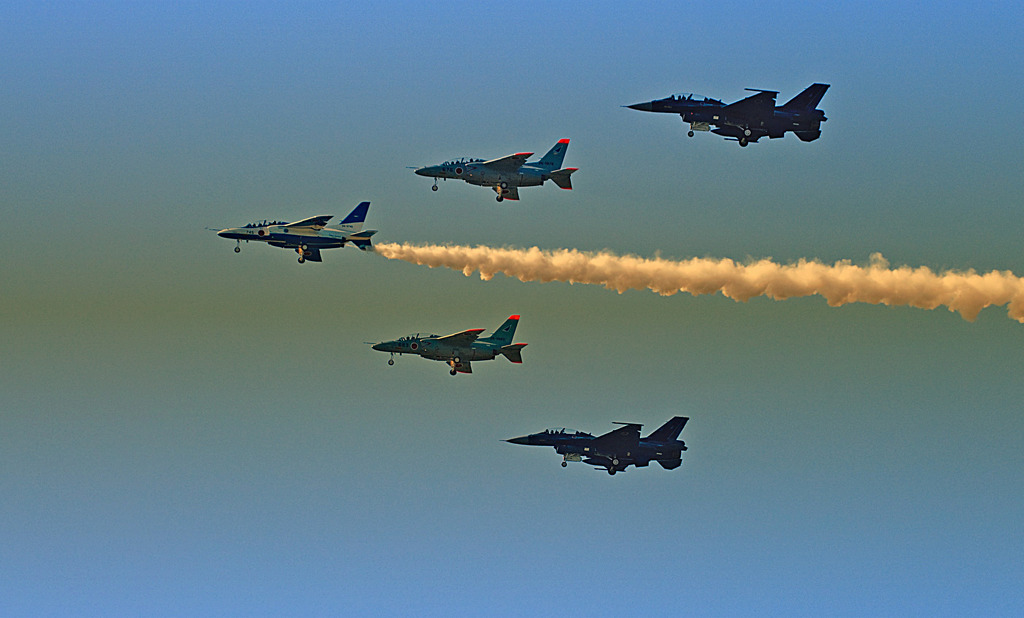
529, 175
436, 350
281, 235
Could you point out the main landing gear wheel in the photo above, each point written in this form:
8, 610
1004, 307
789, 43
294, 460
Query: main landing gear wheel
746, 132
611, 471
302, 260
453, 372
743, 142
689, 134
500, 198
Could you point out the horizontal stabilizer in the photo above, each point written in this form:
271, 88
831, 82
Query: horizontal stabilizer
561, 177
362, 240
514, 352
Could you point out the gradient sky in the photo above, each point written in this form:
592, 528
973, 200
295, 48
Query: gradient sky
187, 431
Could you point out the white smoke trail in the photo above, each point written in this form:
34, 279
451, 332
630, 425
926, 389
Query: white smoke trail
966, 292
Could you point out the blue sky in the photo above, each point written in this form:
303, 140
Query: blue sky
190, 431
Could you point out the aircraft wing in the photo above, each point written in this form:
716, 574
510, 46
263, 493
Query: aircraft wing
508, 163
314, 223
464, 338
623, 439
759, 105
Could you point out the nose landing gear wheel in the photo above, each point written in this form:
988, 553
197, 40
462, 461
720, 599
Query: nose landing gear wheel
238, 249
564, 464
689, 134
391, 361
433, 188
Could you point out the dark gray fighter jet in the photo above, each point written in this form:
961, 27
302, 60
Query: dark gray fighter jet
618, 449
749, 119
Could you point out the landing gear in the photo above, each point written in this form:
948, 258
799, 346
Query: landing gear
301, 250
746, 132
611, 471
238, 249
434, 188
453, 372
743, 142
500, 198
302, 260
564, 464
391, 361
689, 134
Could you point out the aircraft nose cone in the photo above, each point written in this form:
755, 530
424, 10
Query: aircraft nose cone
223, 233
519, 440
642, 107
423, 171
379, 347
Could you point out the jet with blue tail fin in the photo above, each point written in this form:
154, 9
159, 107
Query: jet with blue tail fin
308, 236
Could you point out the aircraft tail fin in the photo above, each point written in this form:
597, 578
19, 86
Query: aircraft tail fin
806, 100
354, 221
504, 333
553, 159
669, 431
362, 240
514, 352
671, 464
562, 177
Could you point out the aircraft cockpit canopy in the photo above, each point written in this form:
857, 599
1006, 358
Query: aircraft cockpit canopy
266, 223
689, 96
462, 161
565, 432
415, 337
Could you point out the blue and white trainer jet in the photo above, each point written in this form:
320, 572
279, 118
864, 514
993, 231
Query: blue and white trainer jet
308, 236
506, 174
